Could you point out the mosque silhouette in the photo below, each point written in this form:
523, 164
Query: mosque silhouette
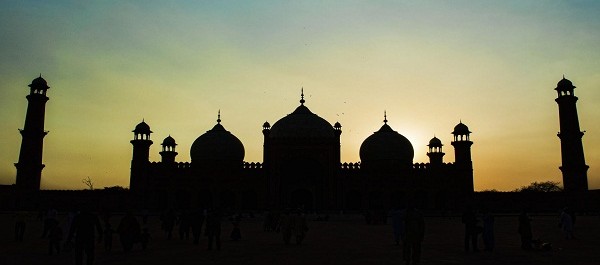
301, 168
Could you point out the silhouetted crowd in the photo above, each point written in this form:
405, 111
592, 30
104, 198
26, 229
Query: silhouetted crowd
83, 229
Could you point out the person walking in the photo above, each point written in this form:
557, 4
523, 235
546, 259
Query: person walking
299, 227
20, 224
398, 224
197, 221
525, 230
236, 233
84, 228
488, 231
129, 231
566, 223
54, 237
213, 229
108, 237
285, 227
469, 219
413, 236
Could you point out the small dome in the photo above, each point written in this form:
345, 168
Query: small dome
461, 129
169, 141
302, 123
387, 144
435, 142
39, 83
266, 125
217, 144
564, 85
337, 125
142, 128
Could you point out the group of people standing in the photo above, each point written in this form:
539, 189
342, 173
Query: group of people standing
195, 220
409, 228
292, 224
473, 229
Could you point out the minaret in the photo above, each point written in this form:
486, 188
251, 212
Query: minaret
337, 129
574, 169
435, 154
266, 131
462, 156
29, 167
168, 153
141, 157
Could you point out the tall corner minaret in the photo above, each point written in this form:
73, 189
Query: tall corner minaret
574, 169
141, 157
462, 155
29, 167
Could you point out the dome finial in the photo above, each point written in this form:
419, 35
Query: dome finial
40, 75
302, 96
385, 117
219, 117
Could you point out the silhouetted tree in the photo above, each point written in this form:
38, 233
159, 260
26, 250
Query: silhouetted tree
545, 186
88, 182
490, 191
115, 188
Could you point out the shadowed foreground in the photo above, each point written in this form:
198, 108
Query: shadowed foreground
343, 240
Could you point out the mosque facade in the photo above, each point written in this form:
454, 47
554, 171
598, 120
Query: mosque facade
301, 168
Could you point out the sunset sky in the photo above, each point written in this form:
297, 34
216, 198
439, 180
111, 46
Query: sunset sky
429, 64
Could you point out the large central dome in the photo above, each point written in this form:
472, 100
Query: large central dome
302, 123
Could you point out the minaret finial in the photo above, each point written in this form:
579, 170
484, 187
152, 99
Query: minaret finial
385, 117
302, 96
219, 117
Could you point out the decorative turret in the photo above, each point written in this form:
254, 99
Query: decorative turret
29, 167
168, 153
266, 131
574, 169
141, 153
266, 128
337, 128
435, 154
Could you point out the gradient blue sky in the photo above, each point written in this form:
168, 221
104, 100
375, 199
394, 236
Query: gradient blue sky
110, 64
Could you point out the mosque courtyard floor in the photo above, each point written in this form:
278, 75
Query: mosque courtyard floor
342, 240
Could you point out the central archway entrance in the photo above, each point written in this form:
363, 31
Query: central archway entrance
302, 199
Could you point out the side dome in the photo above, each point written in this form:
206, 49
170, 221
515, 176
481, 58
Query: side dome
461, 129
302, 123
435, 142
142, 128
39, 83
169, 141
564, 85
217, 144
386, 144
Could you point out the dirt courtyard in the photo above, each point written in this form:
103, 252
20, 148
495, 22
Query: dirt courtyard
342, 240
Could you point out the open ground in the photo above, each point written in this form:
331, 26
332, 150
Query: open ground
344, 239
